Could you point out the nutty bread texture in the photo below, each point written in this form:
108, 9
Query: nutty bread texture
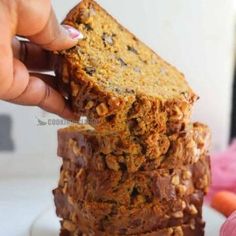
93, 150
102, 202
104, 218
124, 188
192, 229
117, 81
140, 167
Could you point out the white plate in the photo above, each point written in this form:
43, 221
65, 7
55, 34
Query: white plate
47, 224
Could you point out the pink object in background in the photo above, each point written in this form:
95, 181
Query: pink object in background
223, 172
229, 227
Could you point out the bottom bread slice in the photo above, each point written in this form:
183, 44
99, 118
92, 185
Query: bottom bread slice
92, 218
114, 203
195, 228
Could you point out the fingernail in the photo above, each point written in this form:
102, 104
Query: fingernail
72, 32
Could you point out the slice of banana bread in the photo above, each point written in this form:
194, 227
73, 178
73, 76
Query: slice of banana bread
92, 150
123, 188
117, 81
192, 229
92, 217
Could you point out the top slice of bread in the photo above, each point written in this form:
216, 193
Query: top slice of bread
116, 80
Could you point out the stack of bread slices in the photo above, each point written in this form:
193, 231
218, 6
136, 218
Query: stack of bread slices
139, 167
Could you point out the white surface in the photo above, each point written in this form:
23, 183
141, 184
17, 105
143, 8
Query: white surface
47, 223
21, 201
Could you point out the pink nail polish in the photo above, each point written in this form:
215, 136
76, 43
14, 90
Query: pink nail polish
73, 33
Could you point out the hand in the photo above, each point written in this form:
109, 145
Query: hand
35, 20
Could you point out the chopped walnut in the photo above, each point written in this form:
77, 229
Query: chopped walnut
102, 109
68, 225
74, 88
122, 209
175, 180
65, 187
112, 162
196, 156
139, 199
178, 214
80, 173
192, 209
192, 224
181, 189
176, 114
187, 174
73, 144
89, 105
114, 102
184, 205
121, 159
157, 145
70, 200
203, 182
64, 176
134, 163
74, 217
164, 143
178, 231
170, 231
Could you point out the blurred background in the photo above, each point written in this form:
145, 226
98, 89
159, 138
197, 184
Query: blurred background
198, 37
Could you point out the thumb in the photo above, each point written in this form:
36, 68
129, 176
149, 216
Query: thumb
54, 36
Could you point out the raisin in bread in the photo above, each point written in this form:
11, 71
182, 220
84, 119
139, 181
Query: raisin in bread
117, 81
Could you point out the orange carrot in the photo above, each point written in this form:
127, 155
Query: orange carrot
224, 202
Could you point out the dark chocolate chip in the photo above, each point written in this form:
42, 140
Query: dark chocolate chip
122, 62
90, 70
131, 49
